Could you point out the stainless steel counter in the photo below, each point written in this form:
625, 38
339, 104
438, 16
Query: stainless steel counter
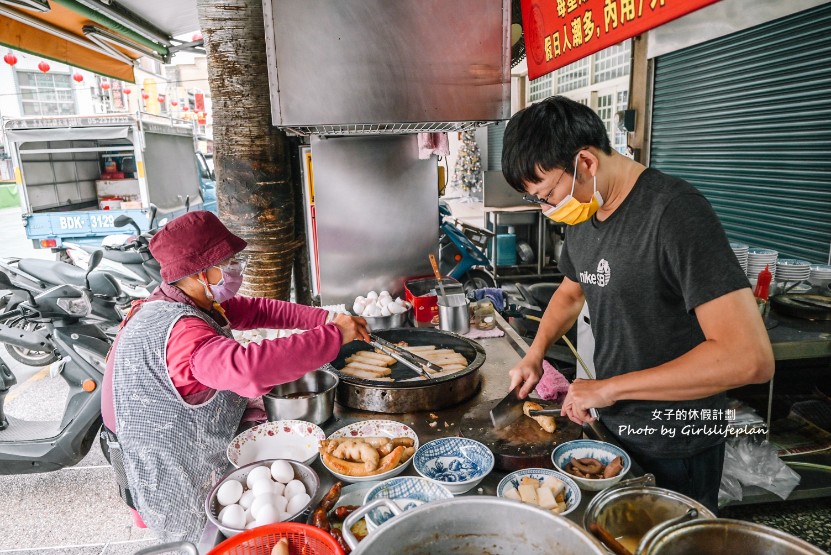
502, 353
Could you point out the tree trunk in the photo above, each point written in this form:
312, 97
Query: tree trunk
251, 157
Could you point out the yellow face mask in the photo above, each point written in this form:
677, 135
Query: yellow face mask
571, 211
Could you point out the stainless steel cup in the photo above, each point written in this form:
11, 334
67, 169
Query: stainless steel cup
311, 398
454, 314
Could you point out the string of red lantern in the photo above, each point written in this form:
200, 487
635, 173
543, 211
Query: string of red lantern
43, 66
77, 77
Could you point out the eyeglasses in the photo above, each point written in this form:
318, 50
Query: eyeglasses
535, 200
232, 264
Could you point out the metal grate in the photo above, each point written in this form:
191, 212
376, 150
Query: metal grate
383, 128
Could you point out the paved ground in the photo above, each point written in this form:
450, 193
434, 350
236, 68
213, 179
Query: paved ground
75, 511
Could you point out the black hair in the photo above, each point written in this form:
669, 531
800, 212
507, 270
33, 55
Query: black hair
547, 135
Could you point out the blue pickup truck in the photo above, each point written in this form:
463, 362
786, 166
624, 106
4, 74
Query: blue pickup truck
76, 174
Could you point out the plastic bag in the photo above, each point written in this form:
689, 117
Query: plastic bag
748, 462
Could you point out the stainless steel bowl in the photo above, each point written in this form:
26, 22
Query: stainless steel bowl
311, 398
702, 537
475, 525
387, 322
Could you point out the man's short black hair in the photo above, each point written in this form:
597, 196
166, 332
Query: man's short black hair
547, 135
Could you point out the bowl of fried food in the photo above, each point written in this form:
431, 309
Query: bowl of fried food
369, 450
594, 465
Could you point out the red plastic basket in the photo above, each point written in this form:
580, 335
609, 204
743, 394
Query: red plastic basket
304, 539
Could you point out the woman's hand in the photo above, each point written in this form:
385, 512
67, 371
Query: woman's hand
528, 373
351, 328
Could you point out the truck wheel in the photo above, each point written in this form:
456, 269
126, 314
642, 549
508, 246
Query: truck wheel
25, 356
477, 279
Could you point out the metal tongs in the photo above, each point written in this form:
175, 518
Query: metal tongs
408, 359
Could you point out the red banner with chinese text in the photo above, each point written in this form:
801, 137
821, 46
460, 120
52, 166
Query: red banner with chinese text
558, 32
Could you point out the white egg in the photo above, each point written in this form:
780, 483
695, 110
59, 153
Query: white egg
360, 299
246, 499
248, 516
368, 310
221, 514
385, 294
268, 515
385, 312
234, 517
384, 301
293, 488
357, 308
280, 502
297, 503
282, 471
252, 524
255, 474
229, 493
259, 503
396, 309
279, 488
374, 311
285, 516
372, 295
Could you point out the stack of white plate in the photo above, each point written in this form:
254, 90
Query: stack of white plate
740, 250
757, 259
792, 269
820, 274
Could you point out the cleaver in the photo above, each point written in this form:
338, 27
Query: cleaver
509, 409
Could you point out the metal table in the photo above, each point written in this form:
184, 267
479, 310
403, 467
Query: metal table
502, 353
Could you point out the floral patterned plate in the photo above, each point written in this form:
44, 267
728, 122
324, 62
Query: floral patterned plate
374, 428
281, 439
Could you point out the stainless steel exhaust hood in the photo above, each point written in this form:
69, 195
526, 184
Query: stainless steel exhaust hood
344, 67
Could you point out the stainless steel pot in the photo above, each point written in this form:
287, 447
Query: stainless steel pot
630, 509
311, 398
454, 314
474, 525
706, 537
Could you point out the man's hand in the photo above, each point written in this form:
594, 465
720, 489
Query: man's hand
528, 373
351, 328
584, 395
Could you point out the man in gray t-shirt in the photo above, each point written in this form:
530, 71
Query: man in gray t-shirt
674, 319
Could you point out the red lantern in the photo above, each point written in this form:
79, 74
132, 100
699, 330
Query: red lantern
77, 77
43, 66
185, 108
105, 86
160, 99
174, 103
10, 59
196, 37
127, 90
145, 96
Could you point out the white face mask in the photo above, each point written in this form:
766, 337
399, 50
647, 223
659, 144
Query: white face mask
571, 211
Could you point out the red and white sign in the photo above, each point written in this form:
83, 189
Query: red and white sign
558, 32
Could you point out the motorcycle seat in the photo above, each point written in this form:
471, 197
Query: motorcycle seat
59, 273
122, 257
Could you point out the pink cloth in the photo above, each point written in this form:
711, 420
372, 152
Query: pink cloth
201, 361
432, 143
553, 386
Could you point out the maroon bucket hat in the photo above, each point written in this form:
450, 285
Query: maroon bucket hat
192, 243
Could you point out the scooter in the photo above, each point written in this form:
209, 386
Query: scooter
34, 276
126, 257
81, 350
459, 257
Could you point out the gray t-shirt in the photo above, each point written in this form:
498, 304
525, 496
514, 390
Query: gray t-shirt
643, 271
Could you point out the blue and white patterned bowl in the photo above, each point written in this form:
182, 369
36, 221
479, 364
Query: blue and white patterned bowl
600, 450
572, 492
457, 463
408, 492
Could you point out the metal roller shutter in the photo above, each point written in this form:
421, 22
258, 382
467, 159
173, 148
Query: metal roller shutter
746, 118
496, 135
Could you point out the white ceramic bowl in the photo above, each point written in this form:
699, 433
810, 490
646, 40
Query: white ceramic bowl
572, 492
283, 439
302, 472
600, 450
374, 428
408, 492
457, 463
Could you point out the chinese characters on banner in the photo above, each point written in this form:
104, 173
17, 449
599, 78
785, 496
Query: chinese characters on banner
558, 32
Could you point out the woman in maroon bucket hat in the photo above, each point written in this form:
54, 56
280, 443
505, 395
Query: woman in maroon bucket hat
177, 384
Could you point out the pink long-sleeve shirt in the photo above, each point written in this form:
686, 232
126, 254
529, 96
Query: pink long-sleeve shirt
200, 361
